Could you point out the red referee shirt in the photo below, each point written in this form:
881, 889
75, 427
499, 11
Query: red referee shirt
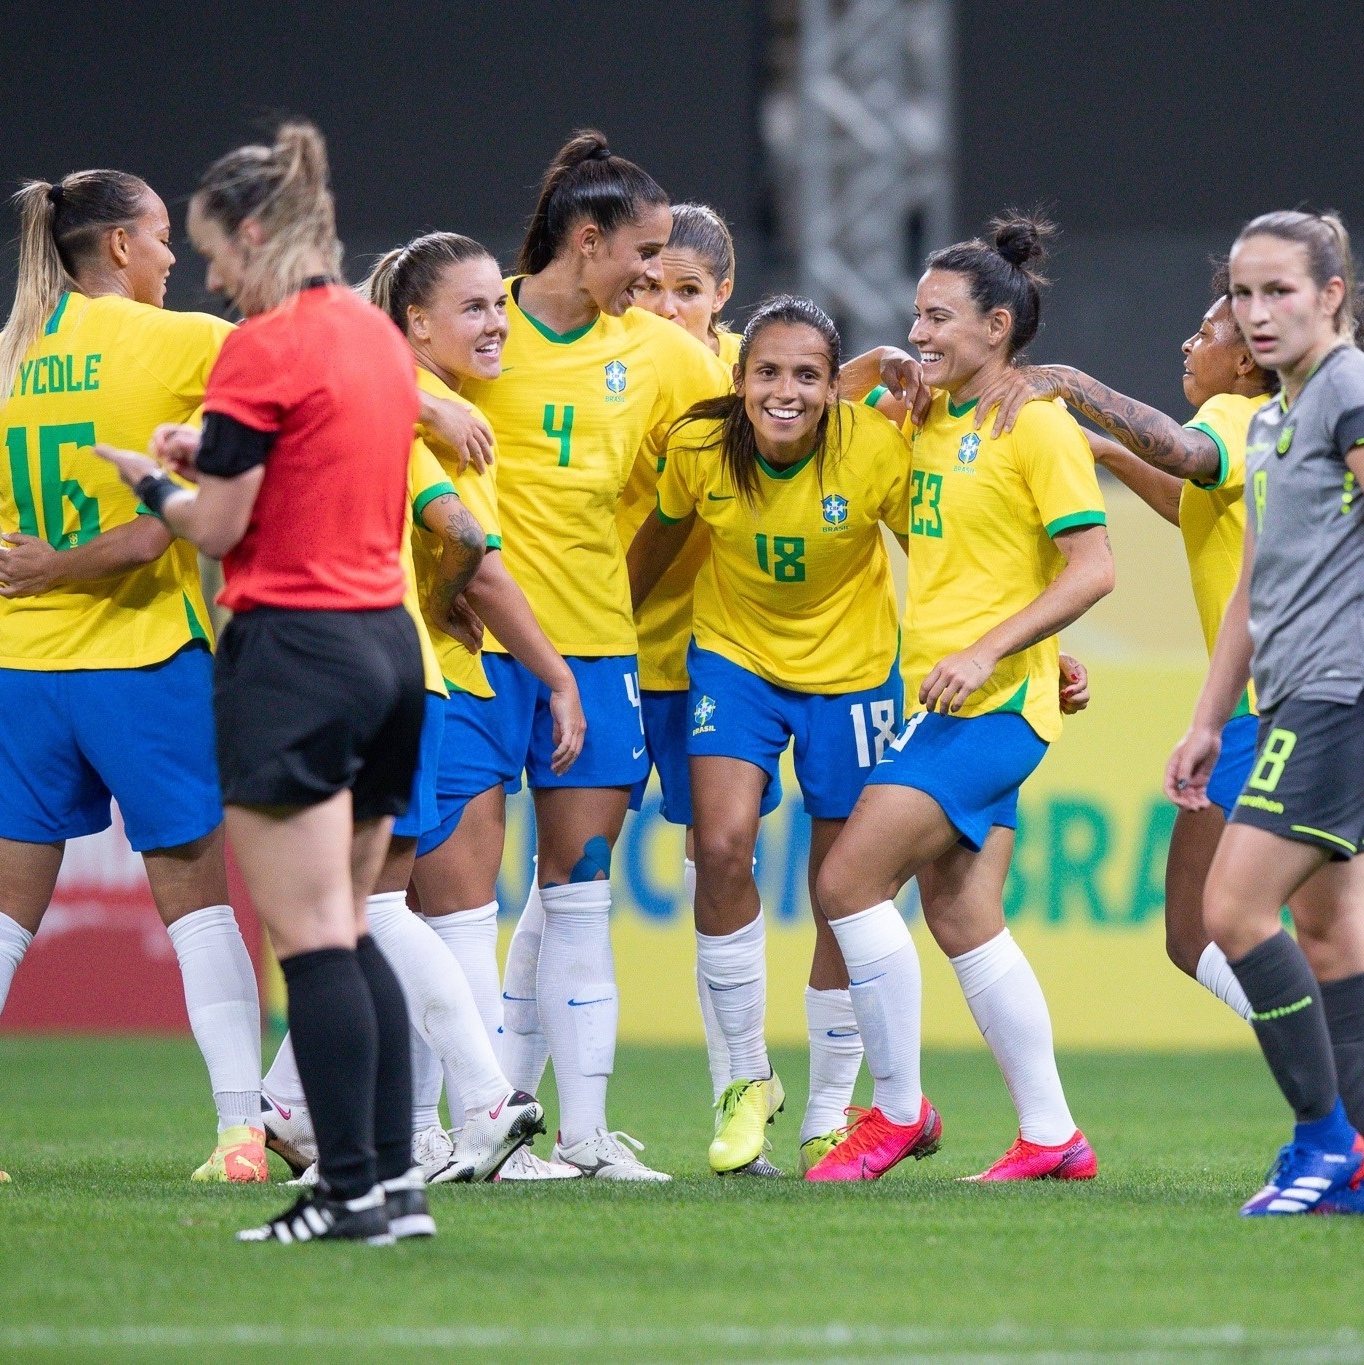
332, 378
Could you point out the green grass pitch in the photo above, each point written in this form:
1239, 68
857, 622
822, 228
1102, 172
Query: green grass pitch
106, 1252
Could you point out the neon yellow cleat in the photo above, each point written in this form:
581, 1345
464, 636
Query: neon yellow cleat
238, 1159
815, 1149
745, 1109
4, 1177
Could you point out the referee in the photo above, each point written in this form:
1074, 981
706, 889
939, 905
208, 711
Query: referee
302, 481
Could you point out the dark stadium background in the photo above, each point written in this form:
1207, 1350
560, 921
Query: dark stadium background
1151, 130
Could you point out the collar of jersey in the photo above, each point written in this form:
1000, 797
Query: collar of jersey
55, 321
1284, 404
549, 334
789, 472
954, 411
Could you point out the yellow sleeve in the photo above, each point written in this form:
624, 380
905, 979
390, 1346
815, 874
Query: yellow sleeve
478, 493
893, 464
1055, 462
426, 480
1226, 418
181, 349
677, 492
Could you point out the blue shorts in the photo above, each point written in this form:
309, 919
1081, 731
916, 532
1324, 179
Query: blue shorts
70, 740
474, 756
666, 722
421, 807
1237, 758
972, 766
839, 736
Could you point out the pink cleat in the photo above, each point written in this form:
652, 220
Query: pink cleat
874, 1144
1073, 1159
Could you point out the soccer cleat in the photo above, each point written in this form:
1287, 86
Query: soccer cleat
405, 1203
814, 1149
606, 1156
1308, 1179
491, 1136
289, 1133
433, 1151
315, 1218
4, 1177
871, 1144
306, 1181
523, 1164
744, 1110
760, 1166
238, 1159
1073, 1159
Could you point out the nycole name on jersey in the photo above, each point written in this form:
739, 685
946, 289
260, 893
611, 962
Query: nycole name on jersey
57, 374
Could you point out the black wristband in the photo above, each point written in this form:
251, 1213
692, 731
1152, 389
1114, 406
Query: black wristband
154, 490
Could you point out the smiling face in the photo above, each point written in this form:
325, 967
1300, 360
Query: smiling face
787, 384
148, 253
956, 342
1216, 359
685, 292
463, 326
1288, 320
618, 265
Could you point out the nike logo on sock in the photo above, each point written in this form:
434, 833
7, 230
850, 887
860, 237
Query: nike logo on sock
841, 1032
868, 981
524, 999
600, 1000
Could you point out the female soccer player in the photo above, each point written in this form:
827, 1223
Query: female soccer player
1296, 624
302, 472
794, 636
1194, 476
1007, 546
586, 381
104, 635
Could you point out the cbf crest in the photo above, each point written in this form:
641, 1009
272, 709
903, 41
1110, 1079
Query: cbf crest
968, 449
615, 377
701, 715
835, 509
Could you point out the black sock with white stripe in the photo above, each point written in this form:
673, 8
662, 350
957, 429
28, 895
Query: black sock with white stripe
1289, 1020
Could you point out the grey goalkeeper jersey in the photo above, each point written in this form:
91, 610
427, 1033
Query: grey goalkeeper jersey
1307, 586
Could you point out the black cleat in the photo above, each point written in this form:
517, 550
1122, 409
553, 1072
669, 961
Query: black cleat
315, 1218
405, 1200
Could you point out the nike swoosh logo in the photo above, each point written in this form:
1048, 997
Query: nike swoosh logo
493, 1113
841, 1032
600, 1000
524, 999
716, 497
868, 981
734, 987
638, 753
285, 1114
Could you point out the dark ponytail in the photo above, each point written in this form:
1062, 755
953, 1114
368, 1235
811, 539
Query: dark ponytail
737, 440
585, 182
1003, 272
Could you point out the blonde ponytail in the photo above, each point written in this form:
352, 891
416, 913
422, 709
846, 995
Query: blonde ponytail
378, 285
42, 279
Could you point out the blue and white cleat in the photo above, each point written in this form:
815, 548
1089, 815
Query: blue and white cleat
1308, 1179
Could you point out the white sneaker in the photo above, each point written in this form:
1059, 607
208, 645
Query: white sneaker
307, 1180
289, 1132
491, 1136
523, 1164
605, 1156
433, 1151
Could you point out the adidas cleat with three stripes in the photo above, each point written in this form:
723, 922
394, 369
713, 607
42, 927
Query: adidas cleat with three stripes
1308, 1179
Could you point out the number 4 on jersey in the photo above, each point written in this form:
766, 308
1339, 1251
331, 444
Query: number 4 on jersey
561, 431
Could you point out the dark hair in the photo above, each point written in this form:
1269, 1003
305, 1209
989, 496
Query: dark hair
59, 229
698, 228
408, 276
1219, 289
737, 439
1002, 272
585, 181
287, 189
1327, 243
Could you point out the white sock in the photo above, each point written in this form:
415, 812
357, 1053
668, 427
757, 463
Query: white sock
579, 1008
733, 968
835, 1059
471, 935
224, 1009
14, 941
426, 1079
282, 1081
439, 1001
525, 1050
717, 1050
886, 994
1011, 1014
1214, 973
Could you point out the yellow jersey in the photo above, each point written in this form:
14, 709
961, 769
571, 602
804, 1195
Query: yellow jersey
571, 412
798, 588
462, 671
426, 482
1212, 517
982, 517
729, 349
110, 370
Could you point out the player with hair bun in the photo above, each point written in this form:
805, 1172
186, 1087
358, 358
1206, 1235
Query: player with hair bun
1007, 546
587, 381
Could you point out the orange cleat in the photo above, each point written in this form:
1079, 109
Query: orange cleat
238, 1159
874, 1144
1073, 1159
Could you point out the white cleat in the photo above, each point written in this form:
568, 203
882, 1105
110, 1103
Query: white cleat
605, 1156
289, 1133
307, 1180
523, 1164
432, 1150
491, 1136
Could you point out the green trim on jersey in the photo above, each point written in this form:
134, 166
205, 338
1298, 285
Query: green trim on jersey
1014, 706
1243, 707
424, 499
954, 411
789, 472
196, 631
1224, 467
1092, 518
666, 519
55, 320
876, 395
494, 542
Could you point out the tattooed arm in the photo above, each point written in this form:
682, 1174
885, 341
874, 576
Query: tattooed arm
462, 546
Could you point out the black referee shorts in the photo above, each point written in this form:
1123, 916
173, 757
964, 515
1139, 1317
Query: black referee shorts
308, 703
1308, 780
